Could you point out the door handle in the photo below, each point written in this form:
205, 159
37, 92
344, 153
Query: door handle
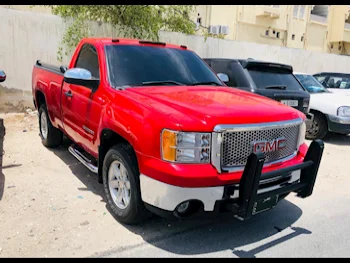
68, 94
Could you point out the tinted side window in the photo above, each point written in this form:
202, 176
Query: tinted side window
88, 59
225, 67
320, 78
334, 82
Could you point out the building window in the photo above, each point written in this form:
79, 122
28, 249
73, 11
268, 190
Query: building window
278, 35
302, 11
295, 11
267, 32
319, 14
293, 37
302, 38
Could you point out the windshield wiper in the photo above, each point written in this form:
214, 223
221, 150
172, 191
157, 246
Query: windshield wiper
204, 83
163, 82
276, 87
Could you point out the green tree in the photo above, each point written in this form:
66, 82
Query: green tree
134, 21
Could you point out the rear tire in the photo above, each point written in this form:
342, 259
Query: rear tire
51, 137
121, 183
318, 128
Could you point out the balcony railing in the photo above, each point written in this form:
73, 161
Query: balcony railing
318, 19
271, 11
346, 37
347, 26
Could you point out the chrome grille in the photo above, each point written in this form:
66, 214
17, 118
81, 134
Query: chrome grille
237, 145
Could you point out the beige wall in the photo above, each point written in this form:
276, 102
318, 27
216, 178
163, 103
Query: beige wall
256, 34
225, 15
36, 9
249, 13
30, 36
336, 25
316, 37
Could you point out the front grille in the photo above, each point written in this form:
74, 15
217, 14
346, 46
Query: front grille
237, 145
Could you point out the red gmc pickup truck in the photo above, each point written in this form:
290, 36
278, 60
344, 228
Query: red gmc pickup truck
165, 134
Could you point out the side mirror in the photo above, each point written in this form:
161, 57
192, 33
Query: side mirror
2, 76
81, 77
223, 77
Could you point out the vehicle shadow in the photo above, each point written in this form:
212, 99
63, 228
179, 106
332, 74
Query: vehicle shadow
88, 178
2, 181
225, 233
2, 152
206, 235
337, 139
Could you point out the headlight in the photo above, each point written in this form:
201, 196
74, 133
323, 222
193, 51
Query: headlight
302, 134
343, 111
185, 147
306, 104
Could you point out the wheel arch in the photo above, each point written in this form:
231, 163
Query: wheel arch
108, 138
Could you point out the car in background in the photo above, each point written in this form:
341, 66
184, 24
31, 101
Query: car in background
272, 80
331, 110
2, 76
335, 82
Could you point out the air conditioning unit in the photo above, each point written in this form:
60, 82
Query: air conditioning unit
214, 30
224, 30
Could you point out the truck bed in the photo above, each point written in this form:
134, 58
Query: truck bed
48, 80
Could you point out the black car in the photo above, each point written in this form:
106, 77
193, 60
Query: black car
268, 79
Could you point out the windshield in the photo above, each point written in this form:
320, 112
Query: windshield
274, 78
130, 65
311, 84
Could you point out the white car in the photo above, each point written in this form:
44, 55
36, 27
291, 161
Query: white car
331, 110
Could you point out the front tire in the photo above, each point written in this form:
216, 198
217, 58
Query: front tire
121, 183
318, 128
51, 137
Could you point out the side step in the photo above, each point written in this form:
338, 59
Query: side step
83, 158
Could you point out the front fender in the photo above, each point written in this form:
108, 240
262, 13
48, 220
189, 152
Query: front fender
142, 132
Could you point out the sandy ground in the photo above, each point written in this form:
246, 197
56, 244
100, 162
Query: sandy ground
52, 206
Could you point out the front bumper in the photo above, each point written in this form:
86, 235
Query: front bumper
241, 199
338, 124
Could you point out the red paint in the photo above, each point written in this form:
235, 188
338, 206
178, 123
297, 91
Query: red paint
140, 114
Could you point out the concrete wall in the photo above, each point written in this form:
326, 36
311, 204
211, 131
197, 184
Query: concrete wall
26, 37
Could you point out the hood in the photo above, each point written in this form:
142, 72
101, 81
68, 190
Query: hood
206, 106
328, 103
343, 92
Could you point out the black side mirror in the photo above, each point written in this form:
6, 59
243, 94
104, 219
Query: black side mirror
2, 76
81, 77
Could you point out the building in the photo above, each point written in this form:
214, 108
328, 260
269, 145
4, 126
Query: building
323, 28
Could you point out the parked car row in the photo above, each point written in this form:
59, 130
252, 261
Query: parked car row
331, 109
164, 134
328, 111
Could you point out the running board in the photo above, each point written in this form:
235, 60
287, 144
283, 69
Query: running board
83, 159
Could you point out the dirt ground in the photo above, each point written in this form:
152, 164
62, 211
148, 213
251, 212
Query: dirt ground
52, 206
